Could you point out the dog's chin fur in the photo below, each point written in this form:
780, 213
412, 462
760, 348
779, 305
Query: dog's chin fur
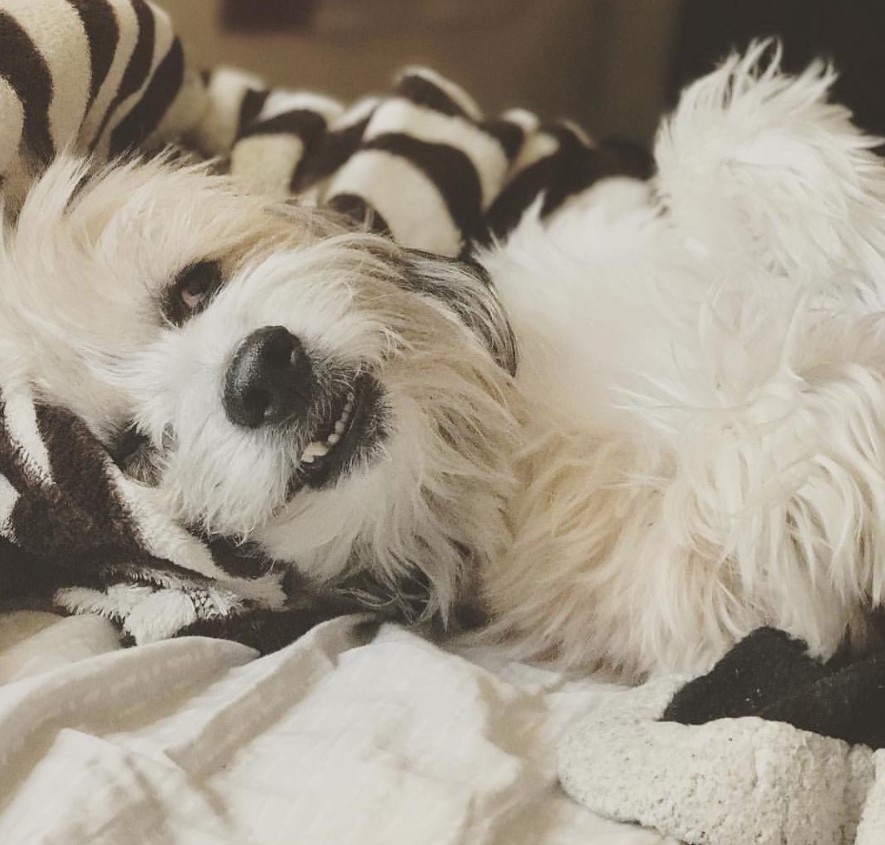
693, 445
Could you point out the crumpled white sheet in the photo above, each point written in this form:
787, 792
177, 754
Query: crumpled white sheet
197, 741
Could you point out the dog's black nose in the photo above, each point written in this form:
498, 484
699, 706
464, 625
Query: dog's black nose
269, 381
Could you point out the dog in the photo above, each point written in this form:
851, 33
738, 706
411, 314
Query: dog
630, 434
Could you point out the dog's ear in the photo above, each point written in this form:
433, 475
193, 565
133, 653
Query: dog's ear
760, 164
464, 287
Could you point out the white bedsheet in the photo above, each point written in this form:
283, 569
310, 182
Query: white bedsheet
196, 741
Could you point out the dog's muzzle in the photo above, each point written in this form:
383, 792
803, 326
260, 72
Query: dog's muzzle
269, 381
335, 418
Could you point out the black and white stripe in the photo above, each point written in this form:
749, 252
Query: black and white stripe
93, 75
421, 165
559, 163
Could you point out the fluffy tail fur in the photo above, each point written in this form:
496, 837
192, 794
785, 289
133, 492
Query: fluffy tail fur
758, 163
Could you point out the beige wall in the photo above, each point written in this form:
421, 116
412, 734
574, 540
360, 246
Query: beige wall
602, 63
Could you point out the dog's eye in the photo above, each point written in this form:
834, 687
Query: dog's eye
197, 284
192, 291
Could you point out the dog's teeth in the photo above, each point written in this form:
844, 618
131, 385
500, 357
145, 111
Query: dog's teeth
315, 450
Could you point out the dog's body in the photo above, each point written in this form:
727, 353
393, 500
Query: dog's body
706, 447
692, 444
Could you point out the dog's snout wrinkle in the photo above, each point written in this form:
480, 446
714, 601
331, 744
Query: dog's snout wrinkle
269, 381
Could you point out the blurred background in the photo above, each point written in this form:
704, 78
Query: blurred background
610, 65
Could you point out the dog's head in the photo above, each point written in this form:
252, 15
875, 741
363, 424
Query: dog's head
342, 402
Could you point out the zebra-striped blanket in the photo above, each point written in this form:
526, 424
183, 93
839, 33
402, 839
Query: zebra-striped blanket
421, 163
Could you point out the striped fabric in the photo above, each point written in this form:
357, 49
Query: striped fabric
97, 76
422, 164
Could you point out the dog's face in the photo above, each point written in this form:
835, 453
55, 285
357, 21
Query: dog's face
341, 402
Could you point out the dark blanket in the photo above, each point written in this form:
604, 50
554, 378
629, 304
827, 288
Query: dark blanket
771, 676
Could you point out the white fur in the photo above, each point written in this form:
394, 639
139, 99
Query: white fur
694, 442
707, 379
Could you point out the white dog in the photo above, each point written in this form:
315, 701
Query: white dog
693, 443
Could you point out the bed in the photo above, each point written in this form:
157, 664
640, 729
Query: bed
332, 739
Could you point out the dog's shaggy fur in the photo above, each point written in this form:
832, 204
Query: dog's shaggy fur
693, 444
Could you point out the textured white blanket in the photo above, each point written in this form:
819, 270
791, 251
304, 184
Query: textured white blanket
727, 782
196, 741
